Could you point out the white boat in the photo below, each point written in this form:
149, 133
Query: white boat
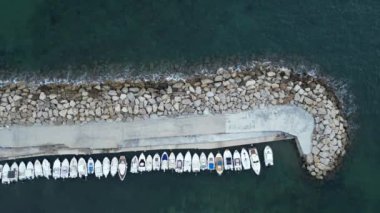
82, 168
195, 163
164, 161
38, 169
219, 163
134, 165
65, 169
237, 161
1, 171
98, 169
211, 162
228, 164
106, 167
156, 162
90, 166
21, 171
13, 174
268, 156
4, 174
56, 169
255, 160
73, 168
179, 163
142, 163
46, 169
187, 162
172, 165
122, 168
29, 172
203, 161
149, 163
114, 165
245, 159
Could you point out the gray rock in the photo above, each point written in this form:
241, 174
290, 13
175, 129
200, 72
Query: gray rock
112, 93
315, 150
42, 96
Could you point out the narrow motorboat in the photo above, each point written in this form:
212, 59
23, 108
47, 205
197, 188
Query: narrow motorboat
149, 163
13, 174
90, 166
211, 162
172, 164
134, 165
164, 161
46, 169
142, 163
114, 165
65, 169
56, 169
4, 174
1, 171
179, 163
237, 161
21, 171
73, 168
227, 157
156, 162
245, 159
29, 172
268, 156
219, 163
106, 167
187, 162
38, 172
195, 163
82, 168
98, 169
255, 160
203, 161
122, 168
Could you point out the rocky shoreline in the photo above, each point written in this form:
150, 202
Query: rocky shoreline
227, 90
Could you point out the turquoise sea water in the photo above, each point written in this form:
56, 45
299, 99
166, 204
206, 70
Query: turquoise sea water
342, 38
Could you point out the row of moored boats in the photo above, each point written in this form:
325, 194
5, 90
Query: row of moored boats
236, 161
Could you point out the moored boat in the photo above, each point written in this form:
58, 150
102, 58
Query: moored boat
179, 163
46, 169
98, 169
122, 167
4, 174
29, 172
1, 171
255, 160
114, 166
245, 159
21, 171
219, 163
203, 161
38, 169
227, 157
106, 166
187, 162
82, 168
211, 162
56, 169
237, 161
73, 168
13, 174
268, 156
134, 165
172, 164
149, 163
164, 161
65, 169
156, 162
142, 163
90, 166
195, 163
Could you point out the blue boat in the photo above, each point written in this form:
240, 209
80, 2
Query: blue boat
211, 162
90, 166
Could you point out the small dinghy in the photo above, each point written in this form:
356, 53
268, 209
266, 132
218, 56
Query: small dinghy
114, 165
172, 165
73, 168
211, 162
13, 173
237, 161
98, 169
156, 162
29, 173
21, 171
122, 168
219, 164
4, 174
38, 169
65, 169
268, 156
195, 163
134, 165
82, 168
56, 169
203, 161
106, 167
228, 164
46, 169
164, 161
90, 166
245, 159
179, 163
149, 163
142, 163
255, 160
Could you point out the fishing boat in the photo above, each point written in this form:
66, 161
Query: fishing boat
46, 169
106, 166
255, 160
13, 174
4, 174
1, 171
219, 163
122, 168
29, 172
228, 164
65, 169
38, 169
237, 161
187, 162
134, 165
90, 166
73, 168
98, 169
164, 161
56, 169
268, 156
156, 162
149, 163
114, 165
203, 161
142, 163
21, 171
195, 163
245, 159
82, 168
179, 163
172, 164
211, 162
